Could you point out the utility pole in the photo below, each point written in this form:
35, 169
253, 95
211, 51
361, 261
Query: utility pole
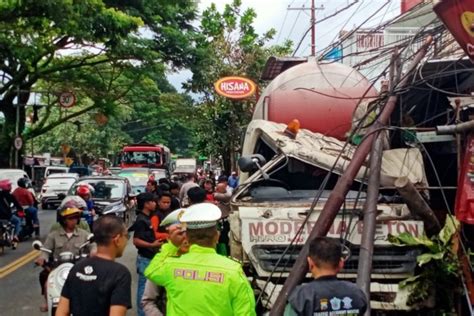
364, 268
313, 23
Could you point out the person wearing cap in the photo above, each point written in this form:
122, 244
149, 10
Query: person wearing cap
68, 238
200, 282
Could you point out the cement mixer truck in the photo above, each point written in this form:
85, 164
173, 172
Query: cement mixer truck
285, 164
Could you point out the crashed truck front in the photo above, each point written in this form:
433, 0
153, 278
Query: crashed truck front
273, 202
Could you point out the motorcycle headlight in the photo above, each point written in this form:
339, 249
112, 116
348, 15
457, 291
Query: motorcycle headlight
59, 276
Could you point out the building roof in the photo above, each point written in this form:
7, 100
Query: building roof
276, 65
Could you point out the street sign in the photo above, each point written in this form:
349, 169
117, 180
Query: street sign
18, 142
235, 87
458, 17
67, 99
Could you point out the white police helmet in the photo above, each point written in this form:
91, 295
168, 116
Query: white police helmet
201, 215
173, 217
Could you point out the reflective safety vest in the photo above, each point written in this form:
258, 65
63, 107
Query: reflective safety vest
201, 282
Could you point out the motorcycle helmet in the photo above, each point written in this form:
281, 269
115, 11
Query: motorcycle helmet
70, 211
5, 185
23, 183
73, 201
83, 191
66, 212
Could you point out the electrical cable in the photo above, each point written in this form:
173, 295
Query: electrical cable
313, 204
320, 21
294, 24
282, 25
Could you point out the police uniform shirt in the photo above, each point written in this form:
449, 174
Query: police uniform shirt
325, 296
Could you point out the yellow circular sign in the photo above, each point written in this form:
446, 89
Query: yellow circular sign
235, 87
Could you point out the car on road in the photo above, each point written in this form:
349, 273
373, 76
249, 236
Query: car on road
55, 185
159, 174
54, 170
111, 195
138, 178
13, 175
115, 170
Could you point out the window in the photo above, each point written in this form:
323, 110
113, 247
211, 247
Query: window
141, 157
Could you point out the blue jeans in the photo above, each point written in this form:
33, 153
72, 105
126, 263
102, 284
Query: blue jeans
33, 213
15, 220
142, 263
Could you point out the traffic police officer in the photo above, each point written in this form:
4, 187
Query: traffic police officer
200, 282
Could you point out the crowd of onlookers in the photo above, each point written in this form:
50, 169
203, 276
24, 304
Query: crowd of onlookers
163, 197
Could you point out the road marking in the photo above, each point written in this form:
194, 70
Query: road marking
18, 263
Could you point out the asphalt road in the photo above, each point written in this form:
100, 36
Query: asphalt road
19, 285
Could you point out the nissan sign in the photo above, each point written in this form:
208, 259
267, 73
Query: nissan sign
235, 87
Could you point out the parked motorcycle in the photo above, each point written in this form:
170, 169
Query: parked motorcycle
60, 265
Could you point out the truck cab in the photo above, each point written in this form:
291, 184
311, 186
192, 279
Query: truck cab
281, 197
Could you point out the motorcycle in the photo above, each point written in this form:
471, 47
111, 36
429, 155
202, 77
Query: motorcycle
27, 227
6, 235
60, 267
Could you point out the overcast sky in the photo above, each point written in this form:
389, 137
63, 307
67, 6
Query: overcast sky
291, 24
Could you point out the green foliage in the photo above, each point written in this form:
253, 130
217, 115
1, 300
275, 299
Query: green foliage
73, 44
227, 45
139, 103
439, 271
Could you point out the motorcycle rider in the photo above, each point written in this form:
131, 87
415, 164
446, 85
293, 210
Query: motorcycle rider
6, 198
72, 201
28, 202
69, 238
85, 193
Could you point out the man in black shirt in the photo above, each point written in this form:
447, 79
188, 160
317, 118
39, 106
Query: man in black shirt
326, 295
144, 240
99, 285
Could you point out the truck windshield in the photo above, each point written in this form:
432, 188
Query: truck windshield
292, 179
141, 157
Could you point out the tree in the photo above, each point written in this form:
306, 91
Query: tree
42, 39
138, 103
227, 45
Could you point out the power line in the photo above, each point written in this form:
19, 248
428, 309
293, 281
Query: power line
294, 24
282, 25
319, 21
